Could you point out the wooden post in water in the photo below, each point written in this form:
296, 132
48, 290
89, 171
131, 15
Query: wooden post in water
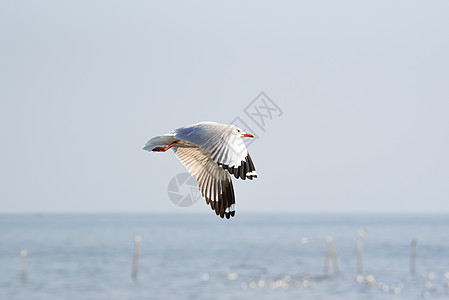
361, 235
334, 259
413, 257
23, 255
327, 257
137, 241
330, 254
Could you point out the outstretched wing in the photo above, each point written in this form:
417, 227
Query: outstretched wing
213, 181
223, 144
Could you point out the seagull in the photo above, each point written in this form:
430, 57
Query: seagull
212, 153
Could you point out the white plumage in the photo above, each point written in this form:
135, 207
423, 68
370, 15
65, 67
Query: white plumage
211, 152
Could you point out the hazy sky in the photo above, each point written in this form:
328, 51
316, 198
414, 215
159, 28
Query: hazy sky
363, 86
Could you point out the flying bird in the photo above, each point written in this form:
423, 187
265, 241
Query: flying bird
212, 153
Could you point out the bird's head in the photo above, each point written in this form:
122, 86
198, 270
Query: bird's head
244, 134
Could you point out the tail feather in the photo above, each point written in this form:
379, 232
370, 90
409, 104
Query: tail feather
162, 140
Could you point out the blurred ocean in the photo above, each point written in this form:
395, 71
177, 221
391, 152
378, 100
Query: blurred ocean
184, 256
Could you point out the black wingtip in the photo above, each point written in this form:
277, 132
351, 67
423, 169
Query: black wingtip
246, 166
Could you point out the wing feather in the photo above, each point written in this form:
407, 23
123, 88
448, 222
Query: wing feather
210, 177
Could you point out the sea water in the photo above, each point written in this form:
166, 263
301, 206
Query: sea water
252, 256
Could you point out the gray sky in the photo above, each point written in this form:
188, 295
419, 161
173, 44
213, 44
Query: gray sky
364, 89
